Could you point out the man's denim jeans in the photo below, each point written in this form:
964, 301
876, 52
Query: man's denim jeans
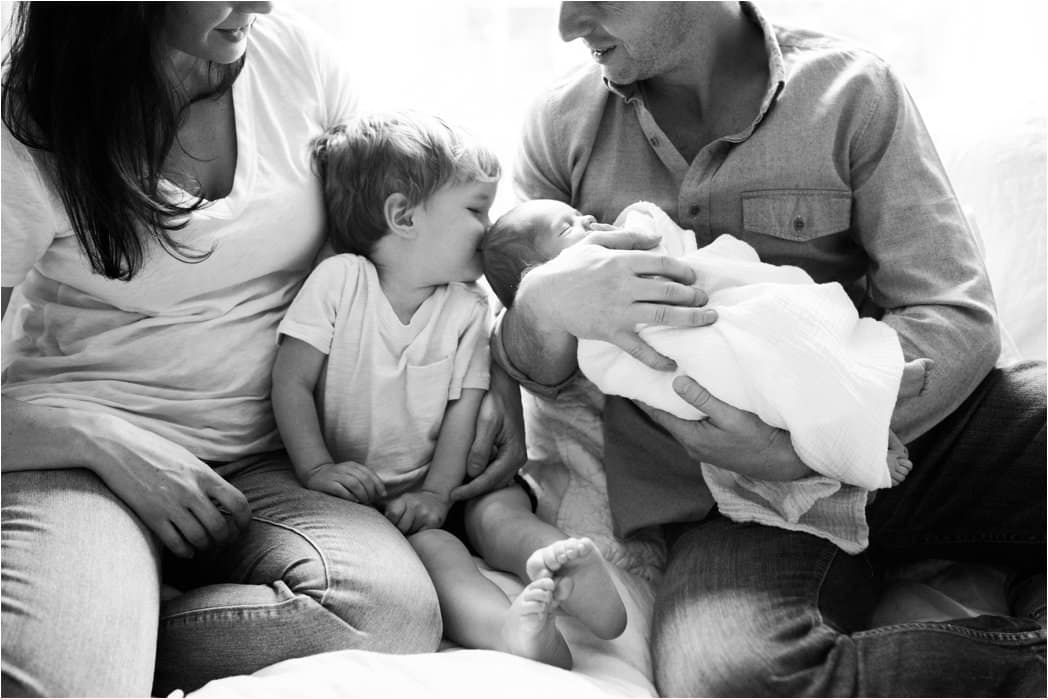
81, 578
747, 610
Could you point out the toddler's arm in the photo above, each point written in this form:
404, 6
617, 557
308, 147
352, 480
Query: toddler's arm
427, 507
295, 374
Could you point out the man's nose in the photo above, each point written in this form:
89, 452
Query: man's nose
574, 21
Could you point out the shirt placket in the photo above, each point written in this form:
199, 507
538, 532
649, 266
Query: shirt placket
696, 179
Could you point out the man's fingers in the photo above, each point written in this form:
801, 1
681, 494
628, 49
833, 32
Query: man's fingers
657, 290
673, 316
491, 479
487, 429
658, 264
640, 350
618, 239
699, 397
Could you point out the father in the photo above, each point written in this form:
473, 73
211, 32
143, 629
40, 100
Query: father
813, 152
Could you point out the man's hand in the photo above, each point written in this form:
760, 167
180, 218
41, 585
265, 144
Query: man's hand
498, 449
347, 480
730, 438
606, 285
415, 511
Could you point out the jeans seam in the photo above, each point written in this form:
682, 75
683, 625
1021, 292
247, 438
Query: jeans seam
319, 551
826, 560
941, 627
239, 607
965, 539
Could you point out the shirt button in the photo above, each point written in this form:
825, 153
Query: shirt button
798, 223
654, 140
694, 211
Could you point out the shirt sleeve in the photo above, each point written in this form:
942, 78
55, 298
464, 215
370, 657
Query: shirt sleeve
28, 226
311, 316
501, 357
925, 268
330, 67
541, 171
472, 358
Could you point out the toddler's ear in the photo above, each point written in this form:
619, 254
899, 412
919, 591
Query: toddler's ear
399, 215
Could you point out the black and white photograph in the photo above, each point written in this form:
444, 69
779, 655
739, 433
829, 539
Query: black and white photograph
483, 348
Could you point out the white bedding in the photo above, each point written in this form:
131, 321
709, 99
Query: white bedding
621, 667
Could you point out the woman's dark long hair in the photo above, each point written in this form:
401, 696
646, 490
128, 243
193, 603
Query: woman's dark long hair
88, 83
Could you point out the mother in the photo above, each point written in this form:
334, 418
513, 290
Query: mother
158, 215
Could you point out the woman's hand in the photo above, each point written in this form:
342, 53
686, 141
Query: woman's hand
730, 438
180, 498
607, 284
498, 449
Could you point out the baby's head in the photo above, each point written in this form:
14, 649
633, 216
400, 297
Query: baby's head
364, 162
527, 235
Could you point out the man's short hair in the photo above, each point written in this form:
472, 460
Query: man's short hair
362, 162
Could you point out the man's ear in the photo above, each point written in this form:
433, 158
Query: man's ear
399, 215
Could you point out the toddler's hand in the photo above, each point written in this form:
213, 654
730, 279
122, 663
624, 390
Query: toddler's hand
415, 511
347, 480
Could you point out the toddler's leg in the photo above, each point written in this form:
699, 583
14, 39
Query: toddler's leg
510, 537
585, 588
899, 464
477, 614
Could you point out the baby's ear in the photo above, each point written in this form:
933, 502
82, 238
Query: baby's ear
399, 215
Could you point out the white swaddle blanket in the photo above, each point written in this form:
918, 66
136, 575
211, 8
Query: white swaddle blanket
791, 351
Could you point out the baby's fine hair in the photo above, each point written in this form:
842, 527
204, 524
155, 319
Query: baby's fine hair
363, 161
508, 250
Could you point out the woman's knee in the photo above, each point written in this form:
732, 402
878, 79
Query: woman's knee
81, 587
371, 578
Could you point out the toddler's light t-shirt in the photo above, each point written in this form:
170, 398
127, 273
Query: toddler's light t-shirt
385, 385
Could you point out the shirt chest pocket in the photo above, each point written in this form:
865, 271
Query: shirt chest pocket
796, 214
426, 391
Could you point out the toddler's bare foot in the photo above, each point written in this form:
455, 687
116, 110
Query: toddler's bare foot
529, 631
584, 585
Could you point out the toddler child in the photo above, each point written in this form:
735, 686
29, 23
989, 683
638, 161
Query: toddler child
792, 351
381, 368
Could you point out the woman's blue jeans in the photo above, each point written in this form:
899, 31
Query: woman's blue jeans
82, 614
747, 610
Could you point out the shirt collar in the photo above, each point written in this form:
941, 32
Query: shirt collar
776, 67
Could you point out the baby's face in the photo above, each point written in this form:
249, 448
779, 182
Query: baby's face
556, 225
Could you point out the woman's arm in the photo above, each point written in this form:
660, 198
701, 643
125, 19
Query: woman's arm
180, 498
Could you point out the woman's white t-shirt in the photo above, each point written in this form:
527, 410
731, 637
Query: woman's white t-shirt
386, 384
184, 350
